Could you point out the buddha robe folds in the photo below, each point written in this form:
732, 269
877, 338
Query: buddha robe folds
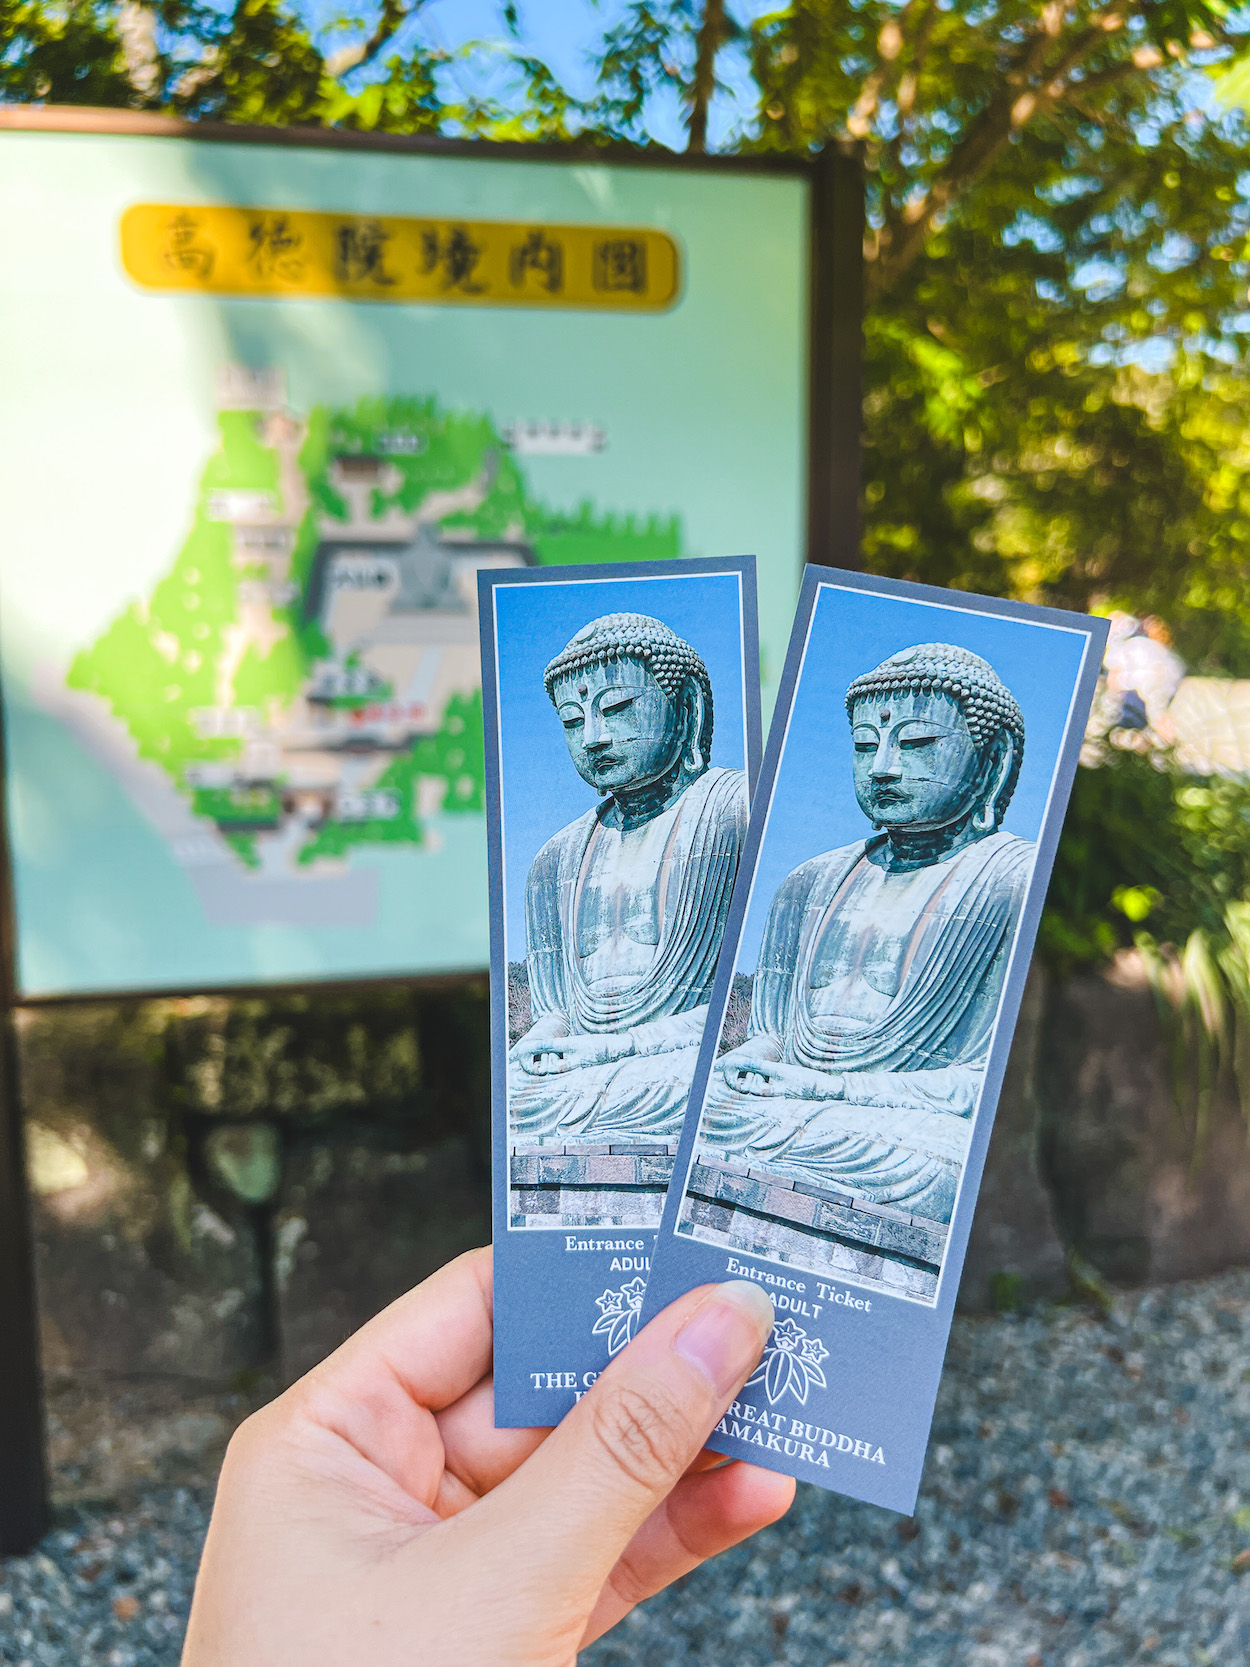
888, 985
622, 935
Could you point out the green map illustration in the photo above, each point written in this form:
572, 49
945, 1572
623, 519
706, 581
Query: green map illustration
306, 675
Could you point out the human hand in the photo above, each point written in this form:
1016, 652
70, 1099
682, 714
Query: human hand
373, 1516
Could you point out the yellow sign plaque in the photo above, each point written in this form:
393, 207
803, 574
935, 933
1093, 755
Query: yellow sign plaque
287, 252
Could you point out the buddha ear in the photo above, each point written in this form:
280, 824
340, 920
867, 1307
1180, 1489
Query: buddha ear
998, 772
692, 711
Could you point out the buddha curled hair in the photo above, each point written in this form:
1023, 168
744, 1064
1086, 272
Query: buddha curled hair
670, 660
988, 705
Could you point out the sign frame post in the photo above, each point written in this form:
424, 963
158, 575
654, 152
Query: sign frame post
24, 1503
835, 235
836, 355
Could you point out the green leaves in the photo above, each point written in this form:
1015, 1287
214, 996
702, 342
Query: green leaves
1078, 471
261, 67
1145, 848
254, 62
938, 95
406, 100
68, 54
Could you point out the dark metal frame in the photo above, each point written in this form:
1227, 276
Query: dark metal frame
23, 1471
834, 337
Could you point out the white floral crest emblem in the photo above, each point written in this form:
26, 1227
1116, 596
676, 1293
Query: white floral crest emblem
618, 1314
791, 1363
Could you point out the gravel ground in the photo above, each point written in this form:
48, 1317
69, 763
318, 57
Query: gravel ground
1086, 1504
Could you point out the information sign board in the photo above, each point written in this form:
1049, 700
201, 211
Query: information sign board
269, 409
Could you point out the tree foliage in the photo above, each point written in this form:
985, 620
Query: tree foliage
1015, 440
1144, 849
939, 93
1057, 400
1055, 387
70, 54
256, 61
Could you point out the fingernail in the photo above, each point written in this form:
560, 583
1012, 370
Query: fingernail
725, 1335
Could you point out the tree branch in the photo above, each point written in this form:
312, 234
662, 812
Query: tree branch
889, 47
711, 39
391, 19
909, 81
1032, 86
136, 25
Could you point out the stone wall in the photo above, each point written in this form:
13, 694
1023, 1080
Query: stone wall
223, 1187
1098, 1150
1015, 1251
1144, 1187
229, 1187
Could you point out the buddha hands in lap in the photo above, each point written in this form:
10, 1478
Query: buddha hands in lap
883, 962
626, 906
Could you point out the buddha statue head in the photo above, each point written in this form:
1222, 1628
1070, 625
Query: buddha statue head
636, 705
939, 740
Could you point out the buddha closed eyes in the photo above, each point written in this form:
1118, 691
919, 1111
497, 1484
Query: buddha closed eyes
883, 962
625, 907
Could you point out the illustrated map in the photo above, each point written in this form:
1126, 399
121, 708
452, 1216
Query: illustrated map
304, 683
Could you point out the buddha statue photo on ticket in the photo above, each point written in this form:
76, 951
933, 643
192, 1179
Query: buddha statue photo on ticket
882, 963
625, 907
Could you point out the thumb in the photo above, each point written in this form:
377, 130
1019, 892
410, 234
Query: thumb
626, 1444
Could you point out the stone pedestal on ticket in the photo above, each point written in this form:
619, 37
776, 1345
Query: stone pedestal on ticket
619, 1185
819, 1228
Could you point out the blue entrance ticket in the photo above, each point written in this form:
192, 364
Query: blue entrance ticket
621, 710
915, 780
